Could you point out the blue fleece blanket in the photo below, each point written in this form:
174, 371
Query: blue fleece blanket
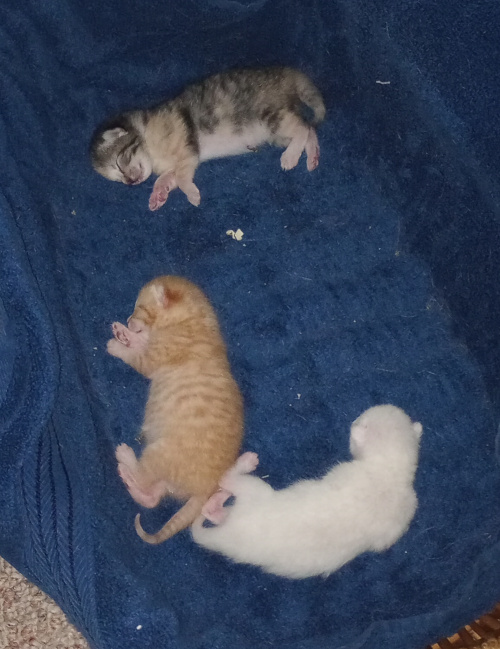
373, 279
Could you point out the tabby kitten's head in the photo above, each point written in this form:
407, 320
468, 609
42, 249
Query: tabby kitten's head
118, 153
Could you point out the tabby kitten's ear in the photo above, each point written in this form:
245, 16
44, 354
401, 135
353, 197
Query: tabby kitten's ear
110, 136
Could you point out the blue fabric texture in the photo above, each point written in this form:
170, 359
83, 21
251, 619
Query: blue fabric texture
373, 279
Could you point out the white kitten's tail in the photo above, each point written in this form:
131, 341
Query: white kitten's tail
311, 96
179, 521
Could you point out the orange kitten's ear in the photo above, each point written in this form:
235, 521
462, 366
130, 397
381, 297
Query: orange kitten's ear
160, 295
165, 296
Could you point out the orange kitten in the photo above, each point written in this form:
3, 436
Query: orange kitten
193, 424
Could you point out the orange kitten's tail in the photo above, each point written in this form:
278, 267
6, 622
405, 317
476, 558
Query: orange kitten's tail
179, 521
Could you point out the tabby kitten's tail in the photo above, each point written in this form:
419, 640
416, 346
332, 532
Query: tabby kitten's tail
311, 96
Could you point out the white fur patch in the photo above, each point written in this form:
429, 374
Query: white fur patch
316, 526
225, 142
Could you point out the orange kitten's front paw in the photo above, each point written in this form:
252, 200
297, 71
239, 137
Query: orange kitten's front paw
114, 348
121, 333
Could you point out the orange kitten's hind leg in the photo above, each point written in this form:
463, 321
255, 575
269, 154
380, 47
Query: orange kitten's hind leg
128, 471
213, 510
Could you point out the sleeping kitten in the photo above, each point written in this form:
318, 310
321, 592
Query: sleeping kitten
316, 526
227, 114
193, 423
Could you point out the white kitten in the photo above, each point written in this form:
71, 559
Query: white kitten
316, 526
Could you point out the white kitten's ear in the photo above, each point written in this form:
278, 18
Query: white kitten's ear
417, 427
358, 434
112, 134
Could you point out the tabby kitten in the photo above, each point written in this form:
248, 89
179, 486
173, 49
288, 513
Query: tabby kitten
193, 423
227, 114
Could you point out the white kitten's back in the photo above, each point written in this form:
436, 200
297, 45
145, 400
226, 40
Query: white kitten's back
315, 526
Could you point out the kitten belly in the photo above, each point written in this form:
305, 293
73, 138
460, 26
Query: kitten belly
225, 141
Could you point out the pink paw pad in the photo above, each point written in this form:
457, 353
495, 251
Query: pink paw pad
120, 332
156, 200
313, 161
214, 510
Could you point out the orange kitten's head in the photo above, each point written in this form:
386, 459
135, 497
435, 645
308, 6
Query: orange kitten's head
168, 300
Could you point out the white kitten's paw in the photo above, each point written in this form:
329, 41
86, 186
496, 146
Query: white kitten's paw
114, 348
247, 462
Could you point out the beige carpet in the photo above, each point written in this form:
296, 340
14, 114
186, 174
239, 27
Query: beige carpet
30, 620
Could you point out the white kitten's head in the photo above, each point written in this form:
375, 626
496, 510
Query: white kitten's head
385, 430
118, 153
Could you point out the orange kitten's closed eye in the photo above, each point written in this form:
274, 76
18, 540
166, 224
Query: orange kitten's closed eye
193, 423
